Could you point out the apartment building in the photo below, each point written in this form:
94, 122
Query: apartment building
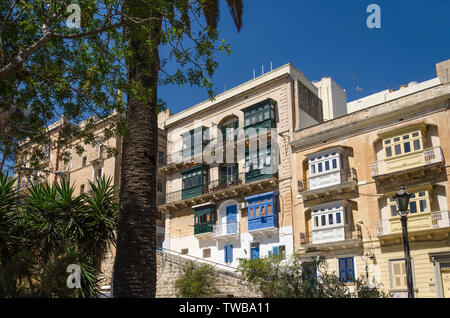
229, 168
347, 172
90, 165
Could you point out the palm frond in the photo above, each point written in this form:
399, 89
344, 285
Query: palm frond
211, 12
236, 8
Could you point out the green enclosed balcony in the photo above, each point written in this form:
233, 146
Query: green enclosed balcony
204, 220
194, 181
259, 116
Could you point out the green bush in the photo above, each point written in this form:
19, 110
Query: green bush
196, 281
46, 230
294, 278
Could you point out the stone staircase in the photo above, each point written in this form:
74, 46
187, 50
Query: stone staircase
170, 267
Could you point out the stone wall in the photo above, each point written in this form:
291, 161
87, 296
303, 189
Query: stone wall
170, 267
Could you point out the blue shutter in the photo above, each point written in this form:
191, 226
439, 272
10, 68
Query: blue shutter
228, 253
276, 250
346, 269
350, 269
342, 270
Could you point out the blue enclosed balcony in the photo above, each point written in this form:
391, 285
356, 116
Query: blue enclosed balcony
263, 213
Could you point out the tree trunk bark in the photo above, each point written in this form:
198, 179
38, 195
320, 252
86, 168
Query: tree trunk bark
135, 263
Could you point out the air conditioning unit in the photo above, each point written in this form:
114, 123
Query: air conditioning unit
242, 205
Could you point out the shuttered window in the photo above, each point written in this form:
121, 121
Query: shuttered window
346, 269
228, 253
398, 274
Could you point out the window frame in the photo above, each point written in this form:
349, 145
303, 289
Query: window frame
347, 270
399, 140
391, 203
318, 164
318, 214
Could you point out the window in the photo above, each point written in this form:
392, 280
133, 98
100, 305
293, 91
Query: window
419, 202
184, 251
324, 163
398, 274
206, 253
161, 158
258, 158
259, 113
194, 141
194, 178
346, 269
82, 189
406, 143
279, 250
159, 186
158, 215
309, 271
228, 250
328, 216
98, 172
84, 161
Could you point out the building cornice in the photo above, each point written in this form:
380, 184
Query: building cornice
374, 117
287, 70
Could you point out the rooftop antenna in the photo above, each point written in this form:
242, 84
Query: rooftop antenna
270, 66
254, 73
357, 88
262, 69
392, 87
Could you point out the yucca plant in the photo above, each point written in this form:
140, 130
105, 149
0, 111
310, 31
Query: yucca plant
50, 230
100, 216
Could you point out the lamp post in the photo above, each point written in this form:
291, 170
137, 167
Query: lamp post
402, 197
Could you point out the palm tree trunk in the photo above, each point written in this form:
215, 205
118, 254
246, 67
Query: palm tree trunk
135, 263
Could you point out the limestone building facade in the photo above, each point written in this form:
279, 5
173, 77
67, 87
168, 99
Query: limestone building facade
347, 171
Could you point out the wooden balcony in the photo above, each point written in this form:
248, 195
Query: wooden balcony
176, 162
204, 230
422, 225
341, 184
395, 171
218, 190
331, 238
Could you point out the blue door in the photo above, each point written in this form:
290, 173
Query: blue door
231, 219
254, 251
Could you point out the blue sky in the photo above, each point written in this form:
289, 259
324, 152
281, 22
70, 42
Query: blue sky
329, 38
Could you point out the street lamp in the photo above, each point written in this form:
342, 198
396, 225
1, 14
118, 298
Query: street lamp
402, 197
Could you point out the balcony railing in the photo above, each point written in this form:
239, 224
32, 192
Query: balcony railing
195, 154
226, 229
344, 234
415, 159
203, 228
418, 221
344, 176
220, 184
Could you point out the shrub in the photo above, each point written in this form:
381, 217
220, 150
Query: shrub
196, 281
294, 278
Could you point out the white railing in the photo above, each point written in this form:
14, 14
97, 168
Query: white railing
438, 220
382, 227
225, 229
197, 260
431, 156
